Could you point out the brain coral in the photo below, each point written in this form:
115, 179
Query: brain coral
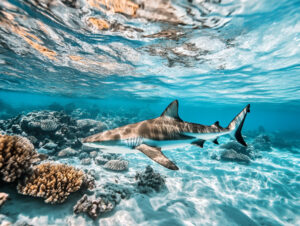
16, 156
48, 125
116, 165
53, 182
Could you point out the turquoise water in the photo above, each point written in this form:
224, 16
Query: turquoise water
215, 57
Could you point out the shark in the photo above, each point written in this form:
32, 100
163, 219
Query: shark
168, 131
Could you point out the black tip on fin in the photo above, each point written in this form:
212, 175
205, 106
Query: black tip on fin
215, 141
238, 134
240, 139
217, 124
248, 108
199, 143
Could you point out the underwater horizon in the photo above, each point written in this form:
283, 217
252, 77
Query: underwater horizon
70, 69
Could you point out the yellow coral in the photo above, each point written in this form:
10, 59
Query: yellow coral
99, 23
53, 182
3, 198
16, 156
126, 7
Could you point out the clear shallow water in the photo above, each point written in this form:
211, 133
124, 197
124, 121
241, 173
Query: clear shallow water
129, 60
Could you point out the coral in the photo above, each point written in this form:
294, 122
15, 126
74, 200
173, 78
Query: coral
48, 125
3, 198
5, 220
104, 199
86, 161
111, 191
93, 206
85, 125
50, 146
53, 182
16, 156
99, 24
88, 181
100, 160
93, 154
149, 180
67, 152
83, 155
116, 165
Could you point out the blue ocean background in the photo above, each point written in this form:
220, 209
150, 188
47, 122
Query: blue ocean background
214, 57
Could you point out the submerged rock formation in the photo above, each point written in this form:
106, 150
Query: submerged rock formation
149, 180
262, 143
232, 155
53, 182
16, 157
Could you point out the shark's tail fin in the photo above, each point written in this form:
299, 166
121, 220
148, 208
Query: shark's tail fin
236, 125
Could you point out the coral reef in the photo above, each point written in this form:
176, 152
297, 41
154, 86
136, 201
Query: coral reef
3, 198
104, 200
53, 182
116, 165
149, 180
93, 207
89, 125
51, 130
16, 157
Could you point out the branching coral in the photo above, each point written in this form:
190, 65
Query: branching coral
53, 182
16, 156
3, 198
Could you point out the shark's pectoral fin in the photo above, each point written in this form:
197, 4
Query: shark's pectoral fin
199, 143
156, 155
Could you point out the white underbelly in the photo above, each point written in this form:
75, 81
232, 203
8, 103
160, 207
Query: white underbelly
169, 144
206, 136
112, 149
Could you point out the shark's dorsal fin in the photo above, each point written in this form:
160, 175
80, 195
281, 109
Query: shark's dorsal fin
216, 124
172, 110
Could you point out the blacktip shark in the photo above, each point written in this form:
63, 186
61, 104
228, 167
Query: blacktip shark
165, 132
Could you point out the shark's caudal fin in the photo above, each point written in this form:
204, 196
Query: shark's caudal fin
237, 123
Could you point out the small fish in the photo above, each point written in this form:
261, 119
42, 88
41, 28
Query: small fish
165, 132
